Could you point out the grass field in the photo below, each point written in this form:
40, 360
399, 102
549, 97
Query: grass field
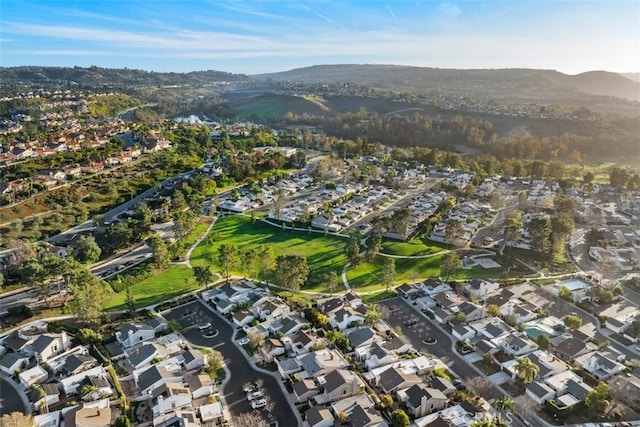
412, 248
324, 253
275, 105
368, 276
175, 280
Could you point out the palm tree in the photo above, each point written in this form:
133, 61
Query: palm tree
87, 392
527, 370
42, 396
505, 404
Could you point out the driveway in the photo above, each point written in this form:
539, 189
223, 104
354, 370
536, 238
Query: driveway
236, 361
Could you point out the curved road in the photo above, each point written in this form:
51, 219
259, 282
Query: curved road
10, 398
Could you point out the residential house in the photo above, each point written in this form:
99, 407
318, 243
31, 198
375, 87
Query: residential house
155, 376
191, 359
361, 337
12, 362
580, 289
366, 417
288, 325
480, 289
299, 343
433, 286
540, 392
599, 366
463, 332
49, 345
422, 400
18, 343
200, 385
212, 414
131, 335
35, 375
271, 309
305, 389
177, 418
141, 355
548, 363
444, 385
51, 396
89, 416
571, 348
377, 355
315, 417
76, 363
409, 291
242, 318
393, 379
72, 385
472, 312
517, 344
347, 316
168, 397
441, 315
313, 364
338, 384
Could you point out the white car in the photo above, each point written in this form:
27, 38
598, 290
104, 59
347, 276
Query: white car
254, 395
205, 326
260, 403
243, 341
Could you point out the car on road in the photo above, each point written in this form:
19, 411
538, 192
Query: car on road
243, 341
249, 388
458, 384
205, 326
252, 395
411, 322
257, 404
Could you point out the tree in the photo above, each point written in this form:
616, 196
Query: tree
399, 418
343, 417
159, 251
215, 359
618, 178
89, 295
255, 338
184, 222
249, 419
372, 315
539, 229
388, 272
87, 250
450, 264
352, 250
597, 398
493, 310
117, 236
505, 404
573, 322
543, 342
480, 386
386, 400
564, 293
453, 231
513, 226
130, 301
88, 392
123, 421
88, 336
203, 275
16, 419
267, 261
527, 370
332, 281
278, 204
374, 244
400, 220
291, 271
173, 326
459, 318
227, 258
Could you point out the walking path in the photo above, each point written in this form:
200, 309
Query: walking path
197, 242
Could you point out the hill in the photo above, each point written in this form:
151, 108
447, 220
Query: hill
496, 83
97, 77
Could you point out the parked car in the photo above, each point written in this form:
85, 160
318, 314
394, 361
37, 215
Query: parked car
243, 341
260, 403
205, 326
254, 395
250, 388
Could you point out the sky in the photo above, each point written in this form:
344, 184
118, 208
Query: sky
252, 37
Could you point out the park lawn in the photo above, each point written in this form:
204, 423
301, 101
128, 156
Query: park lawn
411, 248
367, 276
175, 280
323, 252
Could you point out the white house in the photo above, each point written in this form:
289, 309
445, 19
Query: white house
131, 335
35, 375
599, 365
49, 345
71, 385
200, 385
168, 397
12, 362
481, 289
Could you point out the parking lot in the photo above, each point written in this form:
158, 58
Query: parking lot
220, 338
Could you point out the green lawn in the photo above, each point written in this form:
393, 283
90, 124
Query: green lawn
324, 253
414, 247
175, 280
368, 276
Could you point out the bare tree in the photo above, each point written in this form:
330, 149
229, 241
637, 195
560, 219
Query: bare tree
480, 386
250, 419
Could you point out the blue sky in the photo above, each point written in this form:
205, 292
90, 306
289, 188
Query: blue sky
252, 37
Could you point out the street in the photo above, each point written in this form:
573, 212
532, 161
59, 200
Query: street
236, 361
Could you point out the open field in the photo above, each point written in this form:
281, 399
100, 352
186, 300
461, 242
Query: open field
275, 105
411, 248
175, 280
367, 276
324, 253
